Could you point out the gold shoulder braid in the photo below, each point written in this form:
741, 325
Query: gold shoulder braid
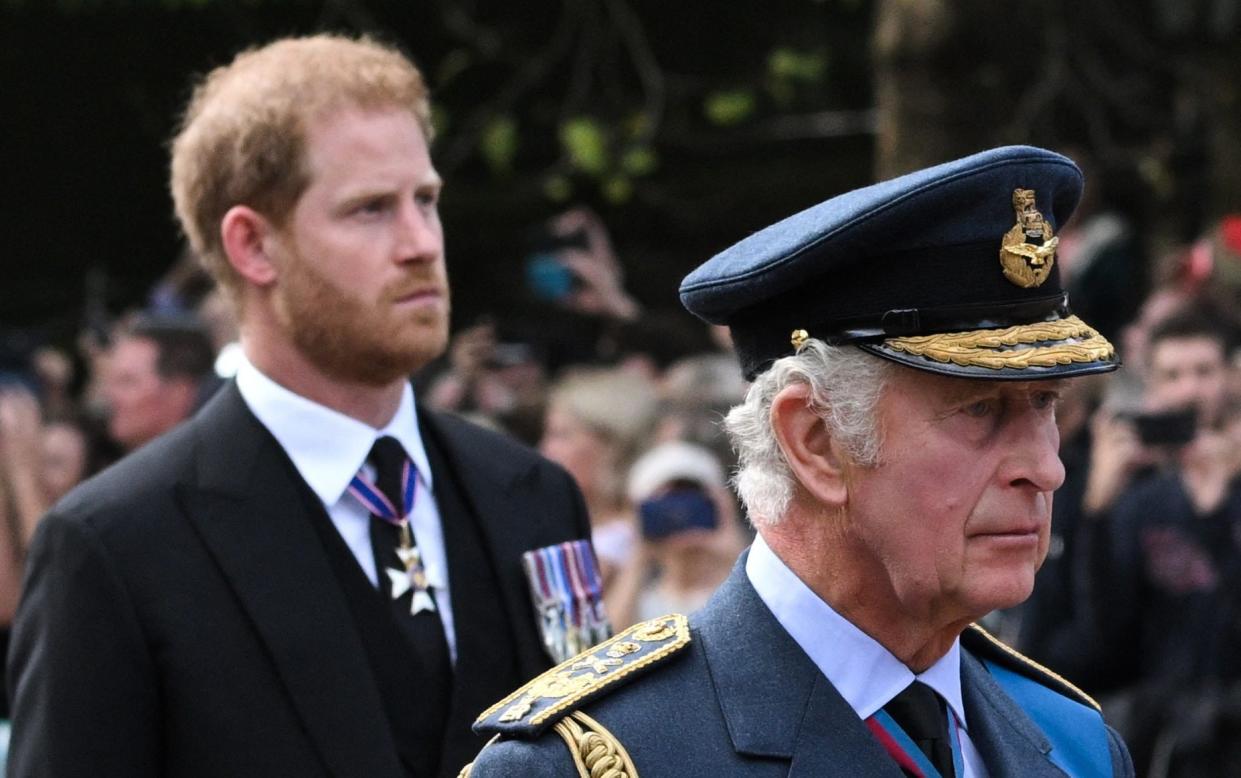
1019, 661
527, 711
596, 751
1063, 341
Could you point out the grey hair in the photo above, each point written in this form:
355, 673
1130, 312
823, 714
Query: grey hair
845, 385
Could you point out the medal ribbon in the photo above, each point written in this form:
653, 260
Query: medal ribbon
377, 503
905, 751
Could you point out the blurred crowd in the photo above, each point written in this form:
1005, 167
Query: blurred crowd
1140, 597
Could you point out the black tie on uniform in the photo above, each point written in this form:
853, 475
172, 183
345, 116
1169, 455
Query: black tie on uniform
921, 712
424, 629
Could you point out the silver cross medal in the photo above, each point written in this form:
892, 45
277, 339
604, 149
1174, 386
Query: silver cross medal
412, 577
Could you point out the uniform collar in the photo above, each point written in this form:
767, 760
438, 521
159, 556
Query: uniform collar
865, 673
326, 446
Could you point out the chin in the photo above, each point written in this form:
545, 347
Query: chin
1009, 593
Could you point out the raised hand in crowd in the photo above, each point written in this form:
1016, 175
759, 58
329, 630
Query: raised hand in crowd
600, 286
1116, 455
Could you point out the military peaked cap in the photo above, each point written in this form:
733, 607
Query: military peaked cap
951, 269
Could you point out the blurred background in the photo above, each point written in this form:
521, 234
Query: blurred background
686, 125
597, 150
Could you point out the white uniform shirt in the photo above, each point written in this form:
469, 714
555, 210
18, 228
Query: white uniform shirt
328, 448
865, 673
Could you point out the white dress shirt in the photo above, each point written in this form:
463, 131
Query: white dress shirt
328, 449
865, 673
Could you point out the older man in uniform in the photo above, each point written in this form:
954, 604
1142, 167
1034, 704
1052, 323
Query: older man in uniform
898, 455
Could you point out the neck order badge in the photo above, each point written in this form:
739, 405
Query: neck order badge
414, 576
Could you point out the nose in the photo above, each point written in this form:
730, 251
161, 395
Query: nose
419, 236
1033, 461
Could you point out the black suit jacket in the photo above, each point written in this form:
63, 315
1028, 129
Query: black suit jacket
180, 618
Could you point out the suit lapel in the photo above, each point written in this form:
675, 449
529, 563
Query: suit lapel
1009, 743
507, 502
775, 701
250, 515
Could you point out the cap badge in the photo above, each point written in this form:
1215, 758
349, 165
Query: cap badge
1028, 250
799, 338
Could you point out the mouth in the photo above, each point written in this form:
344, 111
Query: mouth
1015, 536
421, 296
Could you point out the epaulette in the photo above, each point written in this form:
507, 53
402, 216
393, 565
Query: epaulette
530, 710
982, 643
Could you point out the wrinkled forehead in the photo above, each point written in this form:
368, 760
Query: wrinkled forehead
949, 390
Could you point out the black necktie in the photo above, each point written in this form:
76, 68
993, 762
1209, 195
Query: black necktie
424, 629
922, 714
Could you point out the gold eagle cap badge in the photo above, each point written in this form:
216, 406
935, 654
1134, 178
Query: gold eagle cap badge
1028, 250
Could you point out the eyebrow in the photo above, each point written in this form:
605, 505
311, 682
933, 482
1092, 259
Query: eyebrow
975, 389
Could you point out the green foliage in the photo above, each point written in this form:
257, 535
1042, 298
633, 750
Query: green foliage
726, 108
790, 70
617, 189
557, 188
499, 144
585, 143
639, 161
788, 64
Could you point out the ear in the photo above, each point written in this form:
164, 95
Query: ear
816, 460
247, 236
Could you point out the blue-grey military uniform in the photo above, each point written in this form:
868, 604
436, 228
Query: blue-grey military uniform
950, 270
740, 698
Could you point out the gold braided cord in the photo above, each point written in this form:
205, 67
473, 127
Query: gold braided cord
970, 349
1028, 662
596, 752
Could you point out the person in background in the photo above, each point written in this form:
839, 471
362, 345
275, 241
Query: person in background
498, 383
158, 372
66, 457
1166, 560
597, 422
695, 394
689, 530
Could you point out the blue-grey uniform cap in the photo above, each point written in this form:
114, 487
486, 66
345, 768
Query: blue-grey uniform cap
951, 269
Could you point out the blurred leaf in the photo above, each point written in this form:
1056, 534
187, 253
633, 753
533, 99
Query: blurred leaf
786, 63
729, 107
617, 189
639, 161
584, 140
558, 188
454, 64
499, 144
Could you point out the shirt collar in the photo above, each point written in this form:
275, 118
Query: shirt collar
865, 673
326, 446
